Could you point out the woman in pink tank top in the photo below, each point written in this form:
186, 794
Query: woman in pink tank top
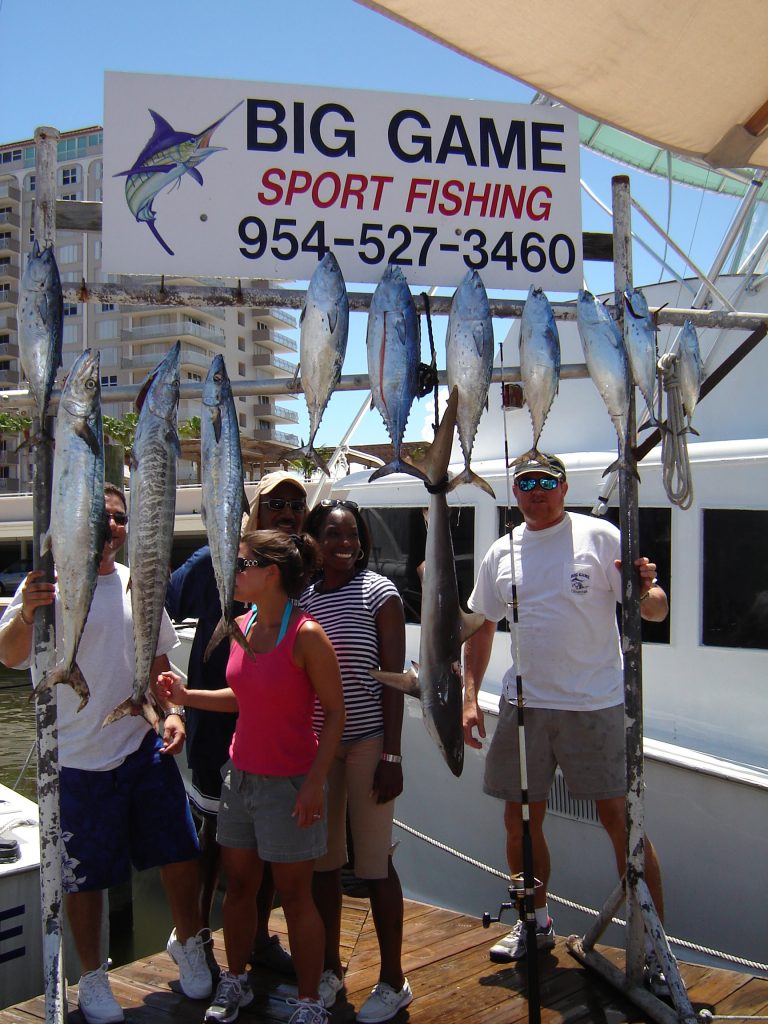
273, 798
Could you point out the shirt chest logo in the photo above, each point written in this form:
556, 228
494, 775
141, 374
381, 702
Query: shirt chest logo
580, 580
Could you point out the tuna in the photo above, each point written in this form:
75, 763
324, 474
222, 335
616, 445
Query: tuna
394, 349
40, 314
323, 345
539, 364
150, 524
607, 364
437, 681
690, 369
469, 365
79, 527
640, 344
224, 499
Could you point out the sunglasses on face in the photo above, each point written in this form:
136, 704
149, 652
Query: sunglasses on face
118, 518
241, 564
278, 504
546, 483
339, 503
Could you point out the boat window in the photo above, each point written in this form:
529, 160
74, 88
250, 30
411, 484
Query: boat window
735, 580
655, 542
398, 540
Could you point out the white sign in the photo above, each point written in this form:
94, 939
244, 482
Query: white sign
216, 178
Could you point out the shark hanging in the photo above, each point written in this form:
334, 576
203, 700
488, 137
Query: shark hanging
163, 162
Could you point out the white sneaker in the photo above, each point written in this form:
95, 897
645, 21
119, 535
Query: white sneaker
308, 1012
329, 988
384, 1002
194, 973
232, 993
95, 999
514, 946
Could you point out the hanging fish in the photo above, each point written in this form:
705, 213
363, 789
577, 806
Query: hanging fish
690, 370
539, 364
40, 313
394, 347
469, 365
324, 329
607, 364
640, 343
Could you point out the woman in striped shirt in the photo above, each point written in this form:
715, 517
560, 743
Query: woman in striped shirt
362, 614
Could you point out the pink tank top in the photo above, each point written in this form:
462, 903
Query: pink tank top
274, 734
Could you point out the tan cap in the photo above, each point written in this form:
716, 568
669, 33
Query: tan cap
265, 486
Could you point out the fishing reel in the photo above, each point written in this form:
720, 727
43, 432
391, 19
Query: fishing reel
516, 900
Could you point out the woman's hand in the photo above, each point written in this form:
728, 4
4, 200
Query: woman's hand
310, 804
170, 689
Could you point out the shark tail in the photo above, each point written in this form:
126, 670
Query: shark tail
72, 676
405, 682
434, 465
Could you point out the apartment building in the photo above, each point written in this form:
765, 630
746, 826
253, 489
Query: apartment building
132, 339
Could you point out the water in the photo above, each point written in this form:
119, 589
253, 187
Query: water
17, 732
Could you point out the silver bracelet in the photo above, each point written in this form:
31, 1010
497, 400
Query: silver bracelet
176, 710
391, 758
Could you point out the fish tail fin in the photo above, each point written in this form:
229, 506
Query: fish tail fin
399, 465
532, 455
621, 463
151, 225
227, 628
405, 682
129, 707
434, 465
468, 476
72, 676
469, 623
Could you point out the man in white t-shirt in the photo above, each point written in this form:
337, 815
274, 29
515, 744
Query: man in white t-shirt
567, 571
122, 797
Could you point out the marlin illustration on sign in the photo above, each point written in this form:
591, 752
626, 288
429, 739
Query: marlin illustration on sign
163, 162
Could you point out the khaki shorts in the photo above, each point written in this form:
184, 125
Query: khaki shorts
587, 745
350, 784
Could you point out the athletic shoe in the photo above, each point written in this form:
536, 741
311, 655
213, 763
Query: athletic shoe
514, 946
384, 1002
329, 988
95, 999
308, 1012
232, 993
654, 978
273, 957
194, 973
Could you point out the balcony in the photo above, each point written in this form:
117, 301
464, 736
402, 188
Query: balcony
215, 311
10, 245
273, 366
8, 377
8, 323
179, 330
9, 272
10, 218
275, 341
10, 192
273, 413
149, 360
9, 351
276, 435
8, 297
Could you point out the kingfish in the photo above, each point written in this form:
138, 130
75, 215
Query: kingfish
607, 364
539, 364
224, 499
394, 347
166, 158
40, 314
469, 365
690, 370
79, 527
640, 344
436, 680
151, 518
323, 344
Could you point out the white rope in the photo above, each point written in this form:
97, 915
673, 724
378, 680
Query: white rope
682, 943
676, 469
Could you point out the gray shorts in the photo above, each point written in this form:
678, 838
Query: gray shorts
255, 814
588, 746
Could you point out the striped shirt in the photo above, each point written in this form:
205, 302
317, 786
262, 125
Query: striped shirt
348, 616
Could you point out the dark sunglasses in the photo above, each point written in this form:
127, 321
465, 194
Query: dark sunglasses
546, 483
119, 518
339, 503
241, 564
278, 504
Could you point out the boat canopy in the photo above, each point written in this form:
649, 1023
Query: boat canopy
689, 76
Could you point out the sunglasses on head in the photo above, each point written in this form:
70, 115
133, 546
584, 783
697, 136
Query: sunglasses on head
119, 518
241, 564
278, 504
546, 483
339, 503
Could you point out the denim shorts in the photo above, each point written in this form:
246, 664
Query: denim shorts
587, 745
255, 813
135, 814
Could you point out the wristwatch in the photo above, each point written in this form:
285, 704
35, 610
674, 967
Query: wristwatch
179, 710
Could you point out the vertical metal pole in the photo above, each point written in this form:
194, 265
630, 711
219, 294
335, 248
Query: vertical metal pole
46, 141
630, 613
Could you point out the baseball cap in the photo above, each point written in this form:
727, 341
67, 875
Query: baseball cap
551, 467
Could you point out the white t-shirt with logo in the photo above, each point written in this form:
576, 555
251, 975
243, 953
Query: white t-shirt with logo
105, 657
568, 586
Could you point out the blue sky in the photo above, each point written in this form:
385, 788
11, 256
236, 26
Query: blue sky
56, 55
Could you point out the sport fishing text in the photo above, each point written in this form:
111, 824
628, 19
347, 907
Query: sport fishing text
411, 137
